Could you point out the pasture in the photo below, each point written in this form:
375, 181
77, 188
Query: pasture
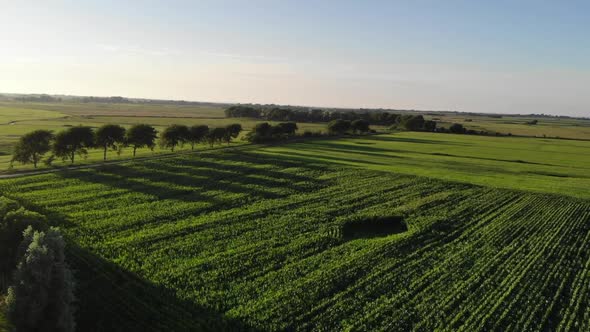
543, 165
16, 120
270, 238
546, 127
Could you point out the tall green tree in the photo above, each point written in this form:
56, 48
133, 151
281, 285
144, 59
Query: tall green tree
197, 134
141, 135
215, 135
42, 296
232, 131
430, 125
31, 147
110, 136
338, 127
73, 141
174, 135
412, 122
457, 128
263, 129
288, 128
11, 231
360, 126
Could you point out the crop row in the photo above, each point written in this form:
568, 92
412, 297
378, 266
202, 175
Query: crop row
257, 239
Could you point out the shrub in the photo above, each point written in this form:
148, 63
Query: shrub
11, 230
338, 127
7, 205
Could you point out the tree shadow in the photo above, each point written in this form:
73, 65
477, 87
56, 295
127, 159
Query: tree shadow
331, 159
111, 298
414, 140
188, 179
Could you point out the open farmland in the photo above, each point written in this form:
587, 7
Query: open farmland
520, 125
268, 238
543, 165
17, 119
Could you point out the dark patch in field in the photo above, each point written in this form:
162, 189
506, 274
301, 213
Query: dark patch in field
373, 227
550, 174
492, 159
415, 140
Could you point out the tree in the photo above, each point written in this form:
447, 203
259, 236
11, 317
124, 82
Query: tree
263, 129
31, 147
360, 126
11, 231
338, 127
174, 135
141, 135
75, 140
288, 128
109, 136
215, 135
42, 296
197, 134
412, 122
457, 128
430, 125
232, 131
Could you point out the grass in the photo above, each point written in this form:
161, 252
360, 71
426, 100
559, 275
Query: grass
15, 121
542, 165
517, 125
254, 238
397, 232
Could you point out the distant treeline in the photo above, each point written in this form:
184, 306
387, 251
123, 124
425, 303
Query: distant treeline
313, 115
113, 100
39, 98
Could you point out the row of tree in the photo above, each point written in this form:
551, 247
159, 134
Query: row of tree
265, 132
340, 127
74, 141
411, 122
314, 115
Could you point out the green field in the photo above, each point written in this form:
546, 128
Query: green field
553, 127
18, 119
544, 165
268, 238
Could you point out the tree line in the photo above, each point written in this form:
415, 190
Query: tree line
411, 122
76, 141
314, 115
265, 132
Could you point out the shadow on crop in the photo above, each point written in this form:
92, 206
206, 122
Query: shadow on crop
112, 298
373, 227
193, 178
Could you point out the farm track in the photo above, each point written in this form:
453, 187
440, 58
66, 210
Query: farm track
240, 237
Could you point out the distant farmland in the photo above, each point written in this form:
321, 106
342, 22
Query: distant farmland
373, 233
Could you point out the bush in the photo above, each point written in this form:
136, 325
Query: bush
265, 132
11, 229
457, 128
7, 205
339, 127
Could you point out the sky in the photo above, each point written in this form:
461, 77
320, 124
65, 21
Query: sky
470, 56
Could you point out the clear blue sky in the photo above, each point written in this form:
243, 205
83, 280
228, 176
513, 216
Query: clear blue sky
480, 56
